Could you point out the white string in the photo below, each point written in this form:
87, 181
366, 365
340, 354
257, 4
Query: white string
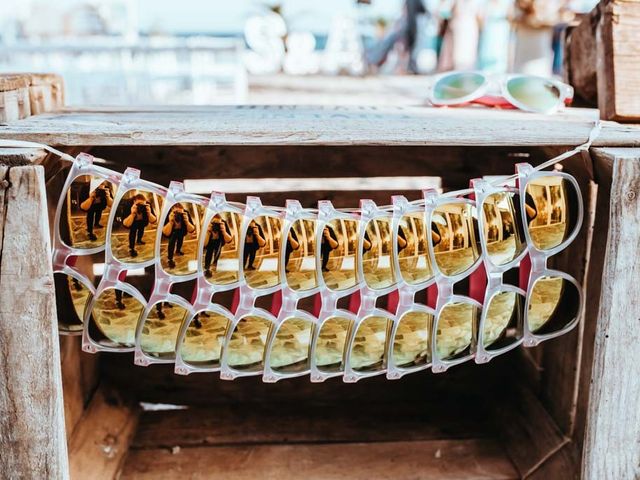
593, 135
22, 144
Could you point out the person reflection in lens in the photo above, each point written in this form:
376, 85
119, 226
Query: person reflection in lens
530, 207
402, 239
177, 225
141, 215
292, 244
366, 243
94, 205
253, 241
218, 234
435, 234
329, 242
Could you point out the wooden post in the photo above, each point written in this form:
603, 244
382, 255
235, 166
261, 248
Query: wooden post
611, 447
32, 433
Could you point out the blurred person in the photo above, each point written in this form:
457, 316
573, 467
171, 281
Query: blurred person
459, 49
404, 32
177, 225
141, 215
495, 35
218, 235
94, 205
533, 23
253, 242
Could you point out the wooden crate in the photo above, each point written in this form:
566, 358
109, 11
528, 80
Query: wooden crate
602, 59
538, 413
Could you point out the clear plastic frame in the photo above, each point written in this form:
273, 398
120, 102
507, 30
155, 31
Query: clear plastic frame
79, 230
251, 328
288, 352
553, 212
368, 341
201, 339
454, 252
338, 277
132, 222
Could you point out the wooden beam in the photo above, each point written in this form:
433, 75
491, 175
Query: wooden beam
308, 422
101, 440
305, 125
442, 459
32, 443
618, 66
613, 423
529, 434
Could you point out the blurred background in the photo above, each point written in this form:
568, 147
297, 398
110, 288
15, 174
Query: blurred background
197, 52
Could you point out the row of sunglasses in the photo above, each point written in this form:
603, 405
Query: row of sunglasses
370, 252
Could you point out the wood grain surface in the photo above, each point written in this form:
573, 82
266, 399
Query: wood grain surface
315, 125
33, 442
613, 422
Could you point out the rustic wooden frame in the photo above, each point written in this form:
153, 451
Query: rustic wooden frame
555, 423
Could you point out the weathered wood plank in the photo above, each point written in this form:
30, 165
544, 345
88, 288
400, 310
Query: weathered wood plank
456, 165
33, 440
529, 434
80, 376
301, 125
580, 59
101, 441
561, 357
618, 49
603, 163
464, 385
613, 424
444, 460
288, 422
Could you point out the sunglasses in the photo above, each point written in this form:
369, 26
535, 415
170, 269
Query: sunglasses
288, 352
525, 92
337, 236
113, 314
553, 211
296, 253
201, 339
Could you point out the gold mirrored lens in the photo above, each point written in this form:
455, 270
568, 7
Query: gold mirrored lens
553, 304
115, 314
179, 241
377, 251
85, 212
72, 297
413, 252
221, 255
369, 349
453, 227
204, 339
300, 255
246, 347
502, 228
261, 258
411, 345
547, 209
502, 321
290, 348
331, 342
134, 229
338, 251
161, 328
455, 330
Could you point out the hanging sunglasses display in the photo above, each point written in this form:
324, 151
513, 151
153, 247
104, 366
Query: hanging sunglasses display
436, 247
